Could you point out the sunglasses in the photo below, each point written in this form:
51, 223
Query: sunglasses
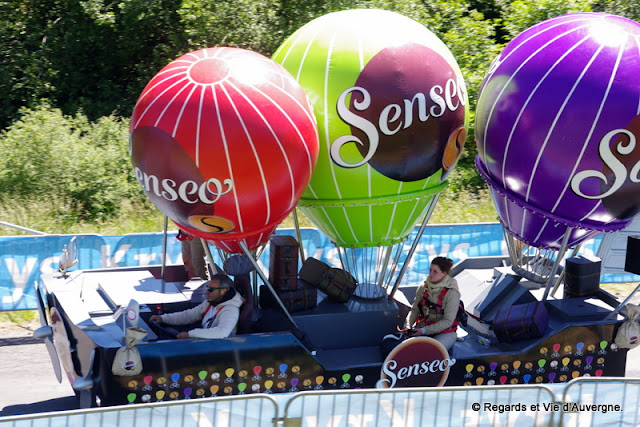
210, 289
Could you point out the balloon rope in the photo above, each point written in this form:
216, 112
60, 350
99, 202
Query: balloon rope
164, 251
405, 265
366, 267
363, 265
374, 266
377, 270
221, 255
384, 268
560, 254
297, 226
207, 251
511, 248
396, 261
354, 263
342, 263
382, 259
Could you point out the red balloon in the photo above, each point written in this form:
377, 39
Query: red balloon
224, 142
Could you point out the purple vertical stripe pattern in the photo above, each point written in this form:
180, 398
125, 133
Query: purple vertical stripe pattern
546, 112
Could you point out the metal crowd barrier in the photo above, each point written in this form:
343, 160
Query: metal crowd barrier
584, 401
411, 407
258, 410
590, 401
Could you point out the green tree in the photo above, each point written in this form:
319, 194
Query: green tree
627, 8
25, 70
48, 154
93, 56
472, 42
249, 24
519, 15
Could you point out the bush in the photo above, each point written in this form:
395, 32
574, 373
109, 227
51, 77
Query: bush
48, 155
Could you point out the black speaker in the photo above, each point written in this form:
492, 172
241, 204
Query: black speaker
632, 259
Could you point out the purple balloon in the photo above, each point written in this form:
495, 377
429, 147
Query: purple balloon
555, 128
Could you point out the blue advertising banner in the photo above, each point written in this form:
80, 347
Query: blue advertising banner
24, 259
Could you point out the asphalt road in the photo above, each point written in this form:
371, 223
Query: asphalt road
28, 384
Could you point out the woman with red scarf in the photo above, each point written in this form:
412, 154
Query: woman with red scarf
435, 308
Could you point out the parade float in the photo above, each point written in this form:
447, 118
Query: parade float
358, 119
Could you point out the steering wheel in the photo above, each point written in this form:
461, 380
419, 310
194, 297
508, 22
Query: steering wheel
165, 330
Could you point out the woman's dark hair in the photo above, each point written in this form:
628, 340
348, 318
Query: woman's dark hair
225, 281
443, 263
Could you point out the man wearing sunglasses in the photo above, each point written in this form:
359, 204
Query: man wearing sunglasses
218, 314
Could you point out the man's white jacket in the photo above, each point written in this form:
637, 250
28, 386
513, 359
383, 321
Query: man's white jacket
218, 321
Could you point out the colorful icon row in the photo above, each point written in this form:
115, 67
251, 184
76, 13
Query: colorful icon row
527, 378
188, 379
516, 365
241, 388
568, 349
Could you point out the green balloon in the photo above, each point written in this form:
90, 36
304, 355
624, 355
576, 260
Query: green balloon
390, 104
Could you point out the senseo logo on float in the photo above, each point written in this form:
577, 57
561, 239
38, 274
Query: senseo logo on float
416, 362
406, 122
620, 154
173, 182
